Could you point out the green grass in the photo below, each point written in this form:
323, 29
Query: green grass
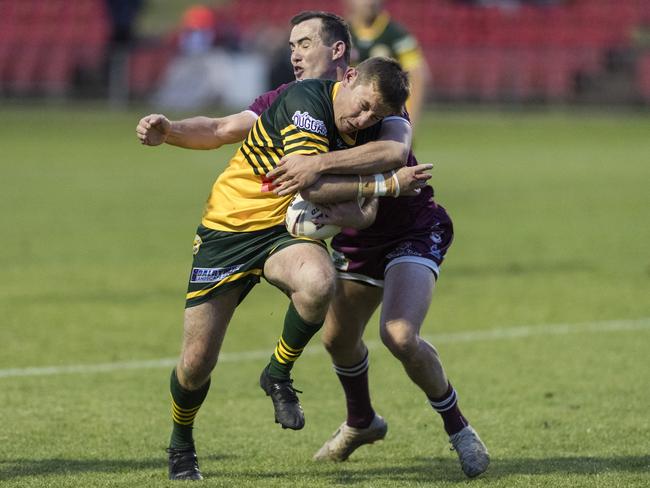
551, 220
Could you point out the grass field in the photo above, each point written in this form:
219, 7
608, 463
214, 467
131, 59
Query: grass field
542, 314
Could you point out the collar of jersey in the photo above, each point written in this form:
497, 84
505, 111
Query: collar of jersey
373, 31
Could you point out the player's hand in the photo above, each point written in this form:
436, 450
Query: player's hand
349, 214
153, 129
412, 179
293, 173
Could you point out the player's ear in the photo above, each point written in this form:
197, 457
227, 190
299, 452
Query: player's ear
338, 50
350, 75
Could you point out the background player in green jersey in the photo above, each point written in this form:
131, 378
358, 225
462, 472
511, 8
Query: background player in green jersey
374, 33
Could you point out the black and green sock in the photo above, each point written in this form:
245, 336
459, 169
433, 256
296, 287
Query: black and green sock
295, 336
185, 406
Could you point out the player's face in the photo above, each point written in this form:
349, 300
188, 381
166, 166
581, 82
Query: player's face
357, 106
310, 57
366, 10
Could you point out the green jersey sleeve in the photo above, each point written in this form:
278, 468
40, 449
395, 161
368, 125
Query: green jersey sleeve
305, 118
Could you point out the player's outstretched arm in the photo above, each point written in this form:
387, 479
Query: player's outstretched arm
196, 132
406, 181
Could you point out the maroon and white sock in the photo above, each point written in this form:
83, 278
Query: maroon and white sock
354, 380
447, 407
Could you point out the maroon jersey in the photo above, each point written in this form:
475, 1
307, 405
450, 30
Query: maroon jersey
395, 217
265, 100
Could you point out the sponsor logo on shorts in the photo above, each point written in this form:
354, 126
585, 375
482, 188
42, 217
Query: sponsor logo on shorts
436, 237
404, 249
309, 123
197, 244
212, 275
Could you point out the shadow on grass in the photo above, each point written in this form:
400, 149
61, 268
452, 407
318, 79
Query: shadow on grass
18, 468
419, 469
422, 470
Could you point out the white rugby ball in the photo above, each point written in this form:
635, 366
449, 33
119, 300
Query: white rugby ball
299, 220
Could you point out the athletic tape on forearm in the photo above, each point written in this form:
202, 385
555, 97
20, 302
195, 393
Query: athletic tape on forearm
378, 185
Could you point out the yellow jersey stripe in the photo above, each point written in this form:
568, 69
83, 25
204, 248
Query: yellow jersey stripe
277, 151
261, 135
254, 133
248, 159
266, 161
271, 157
307, 144
288, 128
306, 152
262, 131
253, 157
310, 135
234, 277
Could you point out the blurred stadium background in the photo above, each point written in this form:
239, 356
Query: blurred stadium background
542, 314
508, 51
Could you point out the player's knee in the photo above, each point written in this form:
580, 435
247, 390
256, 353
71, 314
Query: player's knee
194, 370
337, 344
400, 339
317, 285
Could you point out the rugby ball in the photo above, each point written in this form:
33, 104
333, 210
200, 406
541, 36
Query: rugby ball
299, 220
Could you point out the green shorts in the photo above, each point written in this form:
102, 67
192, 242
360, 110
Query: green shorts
225, 260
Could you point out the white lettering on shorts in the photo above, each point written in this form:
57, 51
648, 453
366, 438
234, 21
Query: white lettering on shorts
212, 275
404, 249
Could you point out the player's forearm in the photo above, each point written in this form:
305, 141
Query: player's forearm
343, 188
332, 189
195, 133
373, 157
209, 133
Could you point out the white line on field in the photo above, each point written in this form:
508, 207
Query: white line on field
443, 338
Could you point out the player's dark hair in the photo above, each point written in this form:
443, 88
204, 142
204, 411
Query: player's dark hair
390, 80
333, 28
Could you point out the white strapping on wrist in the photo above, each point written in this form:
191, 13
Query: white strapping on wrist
380, 186
393, 175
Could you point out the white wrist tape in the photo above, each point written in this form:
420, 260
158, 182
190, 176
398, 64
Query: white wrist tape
380, 186
394, 177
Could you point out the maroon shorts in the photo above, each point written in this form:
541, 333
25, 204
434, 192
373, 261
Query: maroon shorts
366, 258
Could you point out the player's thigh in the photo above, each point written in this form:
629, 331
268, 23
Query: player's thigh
302, 266
350, 310
205, 325
408, 289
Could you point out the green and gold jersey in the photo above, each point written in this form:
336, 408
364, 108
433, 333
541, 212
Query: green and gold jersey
385, 38
300, 121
